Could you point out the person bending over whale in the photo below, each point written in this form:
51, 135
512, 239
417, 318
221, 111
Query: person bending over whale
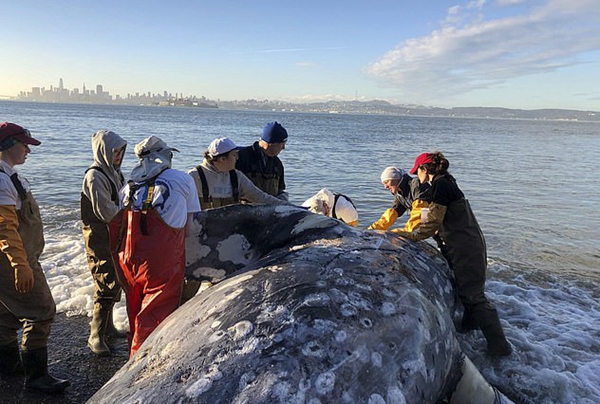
408, 196
451, 217
337, 206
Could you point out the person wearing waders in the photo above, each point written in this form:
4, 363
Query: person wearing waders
99, 205
25, 299
463, 245
261, 163
220, 184
148, 237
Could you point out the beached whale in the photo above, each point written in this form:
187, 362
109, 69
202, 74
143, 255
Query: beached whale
306, 310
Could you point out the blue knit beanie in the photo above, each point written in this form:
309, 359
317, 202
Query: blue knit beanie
274, 133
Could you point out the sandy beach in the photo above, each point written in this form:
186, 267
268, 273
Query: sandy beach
70, 358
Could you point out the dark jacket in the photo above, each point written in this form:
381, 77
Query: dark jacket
265, 172
410, 190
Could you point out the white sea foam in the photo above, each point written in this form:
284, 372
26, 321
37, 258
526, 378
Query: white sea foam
69, 277
555, 330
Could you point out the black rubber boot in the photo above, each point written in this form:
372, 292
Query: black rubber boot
97, 339
35, 363
468, 322
489, 322
190, 289
111, 330
10, 362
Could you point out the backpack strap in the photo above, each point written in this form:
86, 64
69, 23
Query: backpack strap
234, 186
205, 191
145, 207
17, 184
147, 204
113, 187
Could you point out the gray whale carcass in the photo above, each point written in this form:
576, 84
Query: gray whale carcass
306, 310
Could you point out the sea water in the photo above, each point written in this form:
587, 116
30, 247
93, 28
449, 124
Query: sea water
533, 185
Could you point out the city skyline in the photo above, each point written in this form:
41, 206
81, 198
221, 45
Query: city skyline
528, 54
62, 92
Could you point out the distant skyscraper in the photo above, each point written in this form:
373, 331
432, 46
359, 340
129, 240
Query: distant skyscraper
60, 85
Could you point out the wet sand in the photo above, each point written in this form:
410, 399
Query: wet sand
70, 358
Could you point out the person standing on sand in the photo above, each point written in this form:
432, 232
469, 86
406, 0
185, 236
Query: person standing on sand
99, 204
25, 298
148, 237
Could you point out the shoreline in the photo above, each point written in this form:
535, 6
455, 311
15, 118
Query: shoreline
70, 358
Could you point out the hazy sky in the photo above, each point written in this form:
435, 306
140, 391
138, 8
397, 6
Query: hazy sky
508, 53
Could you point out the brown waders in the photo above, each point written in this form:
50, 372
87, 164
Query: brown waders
465, 251
107, 290
32, 311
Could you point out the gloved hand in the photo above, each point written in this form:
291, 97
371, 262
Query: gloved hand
24, 278
400, 232
386, 220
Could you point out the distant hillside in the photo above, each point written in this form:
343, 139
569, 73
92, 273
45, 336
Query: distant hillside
386, 108
373, 107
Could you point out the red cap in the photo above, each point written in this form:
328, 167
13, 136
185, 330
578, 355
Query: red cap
17, 132
421, 159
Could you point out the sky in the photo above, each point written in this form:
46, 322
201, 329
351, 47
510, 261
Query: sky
526, 54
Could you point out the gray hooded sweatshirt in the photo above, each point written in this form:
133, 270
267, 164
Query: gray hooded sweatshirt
97, 186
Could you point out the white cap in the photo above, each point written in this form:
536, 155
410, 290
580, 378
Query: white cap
220, 146
151, 144
392, 173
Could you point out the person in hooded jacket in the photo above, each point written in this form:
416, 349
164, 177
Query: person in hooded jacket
148, 237
450, 216
25, 299
337, 206
99, 205
219, 184
409, 195
260, 161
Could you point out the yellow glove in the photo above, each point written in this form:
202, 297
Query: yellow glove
12, 245
385, 221
414, 219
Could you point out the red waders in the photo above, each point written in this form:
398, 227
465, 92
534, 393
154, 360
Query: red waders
150, 257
